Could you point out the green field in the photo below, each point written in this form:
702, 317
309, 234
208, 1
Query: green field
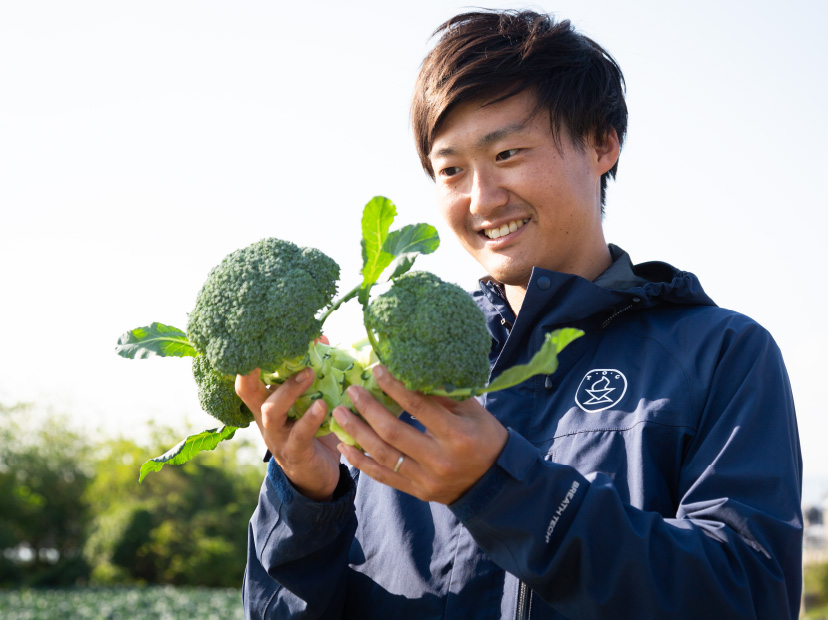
152, 602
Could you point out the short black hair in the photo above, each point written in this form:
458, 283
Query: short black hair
490, 56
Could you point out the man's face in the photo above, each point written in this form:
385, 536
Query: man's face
514, 197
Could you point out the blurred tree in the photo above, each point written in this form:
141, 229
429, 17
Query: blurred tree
815, 589
72, 508
44, 471
184, 525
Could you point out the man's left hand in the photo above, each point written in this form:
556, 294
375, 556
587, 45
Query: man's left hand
462, 441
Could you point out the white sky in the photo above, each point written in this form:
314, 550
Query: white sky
141, 142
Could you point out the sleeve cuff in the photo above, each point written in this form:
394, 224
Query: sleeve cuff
522, 496
288, 496
515, 460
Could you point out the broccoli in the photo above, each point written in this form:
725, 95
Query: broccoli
258, 306
433, 337
430, 334
258, 309
217, 395
264, 307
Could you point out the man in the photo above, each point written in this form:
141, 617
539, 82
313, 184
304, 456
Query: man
656, 474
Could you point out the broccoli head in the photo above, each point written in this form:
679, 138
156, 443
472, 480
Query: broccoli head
258, 307
217, 395
430, 334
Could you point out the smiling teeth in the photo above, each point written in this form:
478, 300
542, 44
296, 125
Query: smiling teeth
495, 233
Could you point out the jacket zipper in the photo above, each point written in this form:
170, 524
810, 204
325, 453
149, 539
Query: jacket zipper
522, 612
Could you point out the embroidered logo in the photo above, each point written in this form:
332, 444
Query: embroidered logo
601, 389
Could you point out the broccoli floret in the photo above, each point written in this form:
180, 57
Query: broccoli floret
430, 334
258, 307
217, 395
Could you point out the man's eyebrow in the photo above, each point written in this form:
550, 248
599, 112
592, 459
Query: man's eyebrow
487, 140
498, 134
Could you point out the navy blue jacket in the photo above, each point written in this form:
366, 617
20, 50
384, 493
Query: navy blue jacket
656, 474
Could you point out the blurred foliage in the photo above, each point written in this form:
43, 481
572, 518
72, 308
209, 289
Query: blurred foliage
815, 595
74, 513
121, 603
44, 471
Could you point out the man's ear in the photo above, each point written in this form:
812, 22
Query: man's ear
606, 151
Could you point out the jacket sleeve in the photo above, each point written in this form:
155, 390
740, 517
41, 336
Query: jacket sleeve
298, 550
733, 548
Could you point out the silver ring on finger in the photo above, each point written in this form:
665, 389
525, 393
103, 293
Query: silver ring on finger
399, 464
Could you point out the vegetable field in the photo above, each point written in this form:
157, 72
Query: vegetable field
137, 603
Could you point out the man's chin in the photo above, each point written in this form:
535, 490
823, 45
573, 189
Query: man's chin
509, 275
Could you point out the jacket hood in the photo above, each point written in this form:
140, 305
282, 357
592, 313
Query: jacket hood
564, 300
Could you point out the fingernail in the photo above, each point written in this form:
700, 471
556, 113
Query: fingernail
380, 371
303, 375
341, 415
315, 408
353, 394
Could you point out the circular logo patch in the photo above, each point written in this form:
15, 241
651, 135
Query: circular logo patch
601, 389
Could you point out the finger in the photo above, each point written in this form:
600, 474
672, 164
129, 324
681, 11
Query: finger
278, 404
379, 458
380, 426
304, 430
380, 451
360, 432
401, 479
428, 411
251, 390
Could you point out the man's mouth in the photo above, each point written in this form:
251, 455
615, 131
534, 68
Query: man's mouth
505, 229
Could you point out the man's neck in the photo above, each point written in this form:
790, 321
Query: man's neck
515, 296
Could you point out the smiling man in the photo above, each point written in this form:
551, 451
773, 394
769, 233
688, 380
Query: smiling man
517, 195
656, 474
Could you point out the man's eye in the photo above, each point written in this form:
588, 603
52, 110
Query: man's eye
449, 172
507, 154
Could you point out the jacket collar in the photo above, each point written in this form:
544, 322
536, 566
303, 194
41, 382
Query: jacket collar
561, 299
620, 275
555, 299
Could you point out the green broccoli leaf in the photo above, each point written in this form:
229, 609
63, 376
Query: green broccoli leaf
407, 243
155, 339
544, 362
377, 218
187, 449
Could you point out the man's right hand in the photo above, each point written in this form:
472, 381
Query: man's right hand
310, 463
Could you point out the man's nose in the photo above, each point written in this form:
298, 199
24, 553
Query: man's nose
487, 193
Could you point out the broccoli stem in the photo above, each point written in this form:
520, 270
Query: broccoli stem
346, 297
372, 339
